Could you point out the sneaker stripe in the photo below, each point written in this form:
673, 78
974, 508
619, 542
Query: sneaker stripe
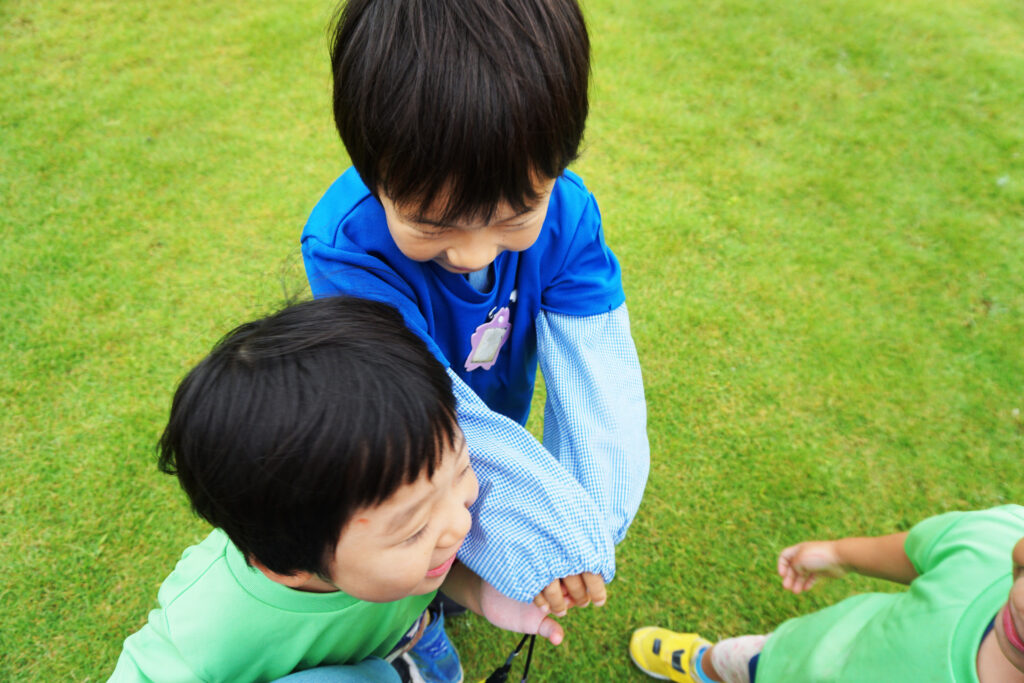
677, 661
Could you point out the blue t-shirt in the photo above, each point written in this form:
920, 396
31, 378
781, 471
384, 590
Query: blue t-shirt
348, 249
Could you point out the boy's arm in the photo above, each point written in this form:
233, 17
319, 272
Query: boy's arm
532, 522
595, 417
468, 589
882, 557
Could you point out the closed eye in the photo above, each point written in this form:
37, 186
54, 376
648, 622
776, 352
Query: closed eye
418, 535
429, 231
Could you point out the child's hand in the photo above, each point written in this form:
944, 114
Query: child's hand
578, 590
521, 617
800, 565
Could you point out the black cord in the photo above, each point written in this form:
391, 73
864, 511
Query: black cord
529, 656
500, 674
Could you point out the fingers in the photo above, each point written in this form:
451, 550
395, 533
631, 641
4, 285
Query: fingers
795, 578
786, 559
798, 580
800, 565
555, 598
552, 630
786, 569
790, 579
801, 582
576, 589
595, 588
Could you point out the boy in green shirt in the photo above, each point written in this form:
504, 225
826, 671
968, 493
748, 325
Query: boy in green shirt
953, 623
321, 443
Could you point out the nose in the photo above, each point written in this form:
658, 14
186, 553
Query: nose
458, 526
475, 249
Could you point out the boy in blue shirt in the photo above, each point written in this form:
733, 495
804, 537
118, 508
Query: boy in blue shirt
460, 118
321, 444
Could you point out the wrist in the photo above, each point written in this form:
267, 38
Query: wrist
842, 556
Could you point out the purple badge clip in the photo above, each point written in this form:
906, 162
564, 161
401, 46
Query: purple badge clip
488, 340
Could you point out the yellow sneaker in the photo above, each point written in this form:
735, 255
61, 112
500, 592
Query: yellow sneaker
665, 654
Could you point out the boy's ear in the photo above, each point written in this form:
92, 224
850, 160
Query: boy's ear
298, 580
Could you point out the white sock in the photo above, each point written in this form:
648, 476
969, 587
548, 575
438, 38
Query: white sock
731, 657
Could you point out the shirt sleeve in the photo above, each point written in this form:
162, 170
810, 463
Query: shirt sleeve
595, 417
923, 538
532, 522
150, 655
335, 272
586, 277
943, 537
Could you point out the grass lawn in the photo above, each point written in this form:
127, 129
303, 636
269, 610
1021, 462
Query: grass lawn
819, 210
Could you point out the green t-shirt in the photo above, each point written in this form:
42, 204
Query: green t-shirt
221, 620
930, 632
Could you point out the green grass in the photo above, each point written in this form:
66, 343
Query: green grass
820, 215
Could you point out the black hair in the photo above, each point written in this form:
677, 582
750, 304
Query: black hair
295, 421
476, 99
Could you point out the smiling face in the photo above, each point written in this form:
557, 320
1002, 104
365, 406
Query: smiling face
406, 545
465, 246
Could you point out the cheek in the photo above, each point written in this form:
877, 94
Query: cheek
388, 577
1017, 596
410, 243
415, 249
473, 489
523, 239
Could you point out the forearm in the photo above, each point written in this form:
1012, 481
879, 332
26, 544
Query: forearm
532, 522
882, 557
463, 586
467, 588
595, 416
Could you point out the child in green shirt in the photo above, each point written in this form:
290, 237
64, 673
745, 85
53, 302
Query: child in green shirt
953, 623
321, 443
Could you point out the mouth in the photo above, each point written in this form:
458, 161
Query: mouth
442, 569
1011, 630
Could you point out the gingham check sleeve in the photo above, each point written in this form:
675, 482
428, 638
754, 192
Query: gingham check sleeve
532, 522
595, 418
546, 513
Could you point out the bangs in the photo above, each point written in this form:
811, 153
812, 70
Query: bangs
472, 100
